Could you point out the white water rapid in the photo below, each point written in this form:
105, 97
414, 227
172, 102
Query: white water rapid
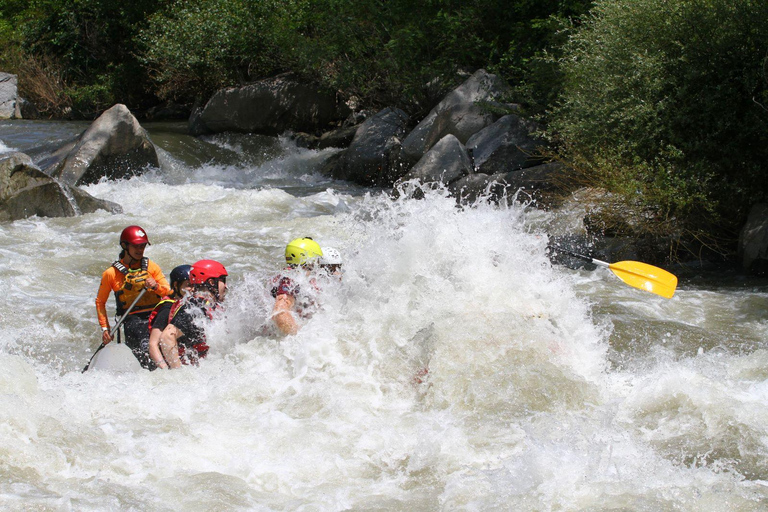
547, 389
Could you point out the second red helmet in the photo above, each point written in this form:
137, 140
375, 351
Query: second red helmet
134, 235
204, 270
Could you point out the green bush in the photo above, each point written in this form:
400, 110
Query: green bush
89, 40
194, 47
384, 53
666, 102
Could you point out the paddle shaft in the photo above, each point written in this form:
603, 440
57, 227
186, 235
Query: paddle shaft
116, 327
582, 257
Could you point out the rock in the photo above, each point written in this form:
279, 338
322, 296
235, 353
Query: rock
270, 107
25, 190
505, 145
28, 110
169, 110
445, 163
461, 113
470, 188
538, 184
372, 156
195, 125
339, 138
611, 226
753, 241
114, 146
9, 97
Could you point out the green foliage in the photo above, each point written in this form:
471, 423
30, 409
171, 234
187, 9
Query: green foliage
387, 53
400, 52
91, 40
667, 101
194, 47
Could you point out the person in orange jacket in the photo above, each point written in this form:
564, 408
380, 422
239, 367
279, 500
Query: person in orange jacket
126, 277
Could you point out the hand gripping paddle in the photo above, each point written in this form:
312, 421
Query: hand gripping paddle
116, 327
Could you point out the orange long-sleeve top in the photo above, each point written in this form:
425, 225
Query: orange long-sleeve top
112, 281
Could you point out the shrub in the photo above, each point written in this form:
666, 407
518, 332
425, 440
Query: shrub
666, 102
193, 48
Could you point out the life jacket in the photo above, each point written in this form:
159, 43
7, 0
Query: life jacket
165, 300
132, 286
305, 303
192, 352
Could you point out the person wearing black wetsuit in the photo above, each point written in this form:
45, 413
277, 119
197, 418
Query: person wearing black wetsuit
183, 340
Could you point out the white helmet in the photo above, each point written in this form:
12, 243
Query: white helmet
330, 256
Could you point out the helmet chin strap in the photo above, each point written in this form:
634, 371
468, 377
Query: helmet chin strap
125, 252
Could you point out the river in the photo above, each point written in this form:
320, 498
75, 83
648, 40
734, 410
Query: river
548, 388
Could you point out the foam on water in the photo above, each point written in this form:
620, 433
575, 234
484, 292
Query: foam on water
452, 368
4, 148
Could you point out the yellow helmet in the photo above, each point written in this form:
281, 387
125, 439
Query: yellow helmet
302, 251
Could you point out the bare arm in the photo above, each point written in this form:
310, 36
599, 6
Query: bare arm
154, 348
168, 342
282, 316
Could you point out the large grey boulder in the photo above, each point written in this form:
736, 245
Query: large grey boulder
269, 107
115, 146
445, 163
753, 241
372, 156
462, 113
25, 190
9, 97
506, 145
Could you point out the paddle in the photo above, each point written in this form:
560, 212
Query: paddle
634, 273
116, 327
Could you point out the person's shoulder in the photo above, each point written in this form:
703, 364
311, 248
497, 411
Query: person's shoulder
165, 304
110, 271
152, 266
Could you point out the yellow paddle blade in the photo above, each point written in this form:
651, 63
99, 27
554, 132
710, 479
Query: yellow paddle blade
646, 277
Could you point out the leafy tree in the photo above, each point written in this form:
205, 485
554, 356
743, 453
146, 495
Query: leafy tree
89, 40
194, 47
384, 53
666, 102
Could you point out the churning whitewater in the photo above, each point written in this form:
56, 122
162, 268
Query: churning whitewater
452, 368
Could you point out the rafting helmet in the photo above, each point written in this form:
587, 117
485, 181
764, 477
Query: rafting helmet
133, 235
302, 251
180, 274
204, 270
331, 256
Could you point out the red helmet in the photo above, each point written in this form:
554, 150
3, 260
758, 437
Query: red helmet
204, 270
134, 235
